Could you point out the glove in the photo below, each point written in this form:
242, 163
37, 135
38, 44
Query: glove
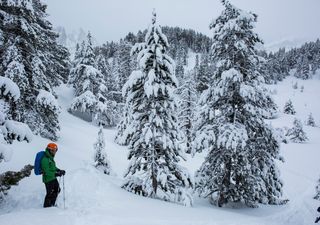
60, 173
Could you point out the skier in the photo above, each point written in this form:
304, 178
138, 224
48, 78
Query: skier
50, 174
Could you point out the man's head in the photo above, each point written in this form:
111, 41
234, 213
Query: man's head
52, 148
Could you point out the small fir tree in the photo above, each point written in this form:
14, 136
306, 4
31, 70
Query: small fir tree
296, 133
317, 196
101, 161
310, 121
288, 108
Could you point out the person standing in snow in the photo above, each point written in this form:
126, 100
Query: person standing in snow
50, 174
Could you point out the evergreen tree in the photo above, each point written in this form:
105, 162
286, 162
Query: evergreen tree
10, 130
187, 106
125, 63
124, 130
31, 57
179, 70
101, 161
203, 75
303, 68
154, 149
240, 166
310, 121
49, 111
317, 191
11, 178
91, 101
296, 133
288, 108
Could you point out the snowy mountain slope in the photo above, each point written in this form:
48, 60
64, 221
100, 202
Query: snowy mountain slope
287, 43
94, 198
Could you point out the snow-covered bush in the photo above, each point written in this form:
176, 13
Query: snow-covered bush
296, 133
288, 108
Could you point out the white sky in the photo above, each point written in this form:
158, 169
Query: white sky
113, 19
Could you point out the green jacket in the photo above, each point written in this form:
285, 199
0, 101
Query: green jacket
48, 167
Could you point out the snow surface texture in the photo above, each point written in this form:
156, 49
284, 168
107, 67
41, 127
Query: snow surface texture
95, 198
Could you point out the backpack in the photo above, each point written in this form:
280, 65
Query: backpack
37, 163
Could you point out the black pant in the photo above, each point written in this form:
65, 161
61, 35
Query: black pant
53, 190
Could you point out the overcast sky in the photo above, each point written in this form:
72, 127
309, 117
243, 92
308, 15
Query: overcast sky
113, 19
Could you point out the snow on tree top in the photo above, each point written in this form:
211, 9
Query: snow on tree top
27, 4
45, 98
232, 74
232, 136
238, 16
18, 129
9, 88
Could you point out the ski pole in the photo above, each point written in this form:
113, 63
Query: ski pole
64, 198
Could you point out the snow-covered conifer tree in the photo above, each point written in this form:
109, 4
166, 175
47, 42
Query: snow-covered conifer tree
101, 161
303, 68
124, 129
49, 111
91, 91
10, 130
240, 166
288, 108
154, 147
317, 191
203, 74
296, 133
31, 57
187, 105
125, 63
310, 121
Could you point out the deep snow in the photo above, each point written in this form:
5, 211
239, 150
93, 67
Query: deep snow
95, 198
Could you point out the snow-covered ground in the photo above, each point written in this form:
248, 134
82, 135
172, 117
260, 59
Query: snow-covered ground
95, 198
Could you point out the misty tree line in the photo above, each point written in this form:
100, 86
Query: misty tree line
141, 76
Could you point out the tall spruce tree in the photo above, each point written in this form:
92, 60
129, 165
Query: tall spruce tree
31, 57
187, 105
240, 166
154, 147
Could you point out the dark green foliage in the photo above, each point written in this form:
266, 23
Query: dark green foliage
11, 178
288, 108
